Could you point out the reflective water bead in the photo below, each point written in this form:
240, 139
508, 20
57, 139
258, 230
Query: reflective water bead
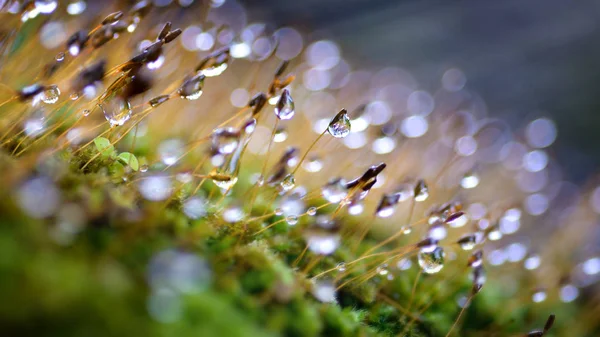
156, 101
284, 109
225, 140
467, 242
116, 111
311, 211
432, 262
291, 220
191, 89
288, 183
339, 127
280, 135
421, 192
51, 94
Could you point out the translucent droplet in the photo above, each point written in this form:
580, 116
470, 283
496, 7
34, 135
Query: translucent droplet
457, 220
334, 191
144, 168
116, 111
311, 211
476, 259
51, 94
421, 192
215, 70
215, 64
341, 267
386, 205
280, 135
156, 101
86, 112
288, 183
191, 89
467, 242
432, 262
224, 181
60, 57
284, 109
225, 140
74, 96
170, 151
278, 211
382, 270
339, 127
291, 220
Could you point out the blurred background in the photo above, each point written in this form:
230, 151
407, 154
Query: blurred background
526, 58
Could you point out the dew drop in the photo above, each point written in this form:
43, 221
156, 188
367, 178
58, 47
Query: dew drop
288, 183
278, 211
291, 220
339, 127
341, 267
432, 262
215, 70
467, 242
421, 191
60, 57
225, 140
191, 89
86, 112
284, 109
144, 168
311, 211
224, 181
74, 96
280, 135
382, 269
116, 111
156, 101
51, 94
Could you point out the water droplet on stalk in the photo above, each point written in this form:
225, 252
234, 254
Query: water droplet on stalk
51, 94
284, 109
191, 89
225, 140
116, 111
432, 262
339, 127
421, 192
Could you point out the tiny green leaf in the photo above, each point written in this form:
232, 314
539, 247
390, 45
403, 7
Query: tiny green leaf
104, 146
129, 159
